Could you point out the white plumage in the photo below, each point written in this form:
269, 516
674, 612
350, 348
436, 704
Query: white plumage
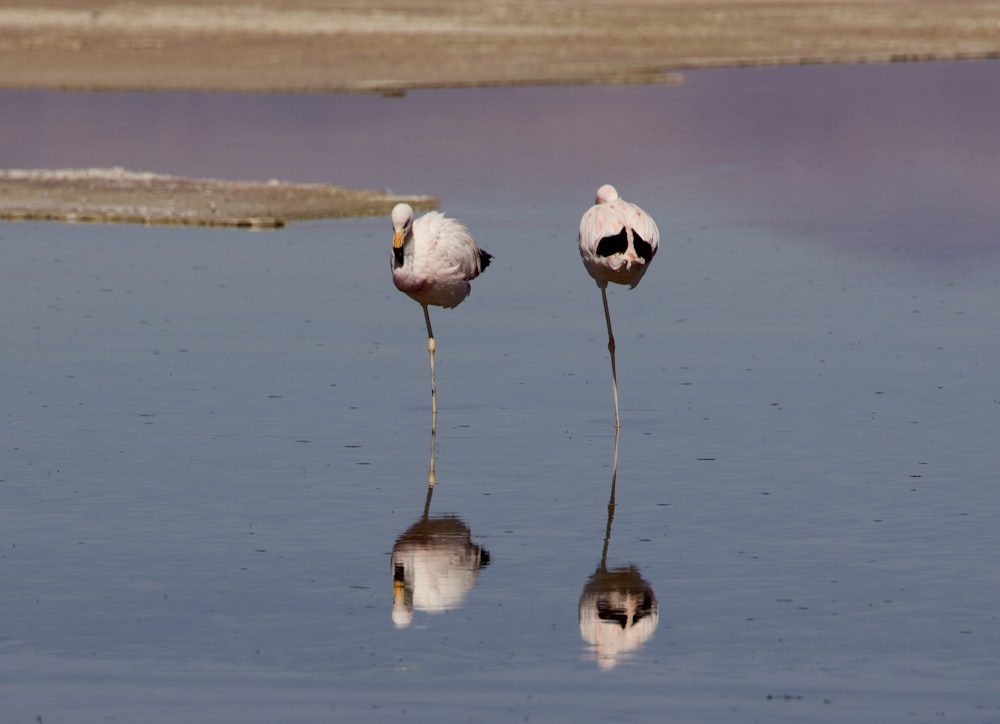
433, 260
618, 241
434, 257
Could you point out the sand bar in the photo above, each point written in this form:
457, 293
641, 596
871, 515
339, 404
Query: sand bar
114, 195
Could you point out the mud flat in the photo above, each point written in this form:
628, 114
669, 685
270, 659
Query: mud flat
114, 195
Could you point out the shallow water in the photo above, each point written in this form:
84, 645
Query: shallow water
214, 440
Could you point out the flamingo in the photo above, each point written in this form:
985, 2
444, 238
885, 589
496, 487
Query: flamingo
618, 241
433, 260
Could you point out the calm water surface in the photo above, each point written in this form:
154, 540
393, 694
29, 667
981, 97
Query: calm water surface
215, 443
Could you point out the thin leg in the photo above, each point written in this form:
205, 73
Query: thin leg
611, 504
427, 500
611, 349
431, 476
434, 409
430, 350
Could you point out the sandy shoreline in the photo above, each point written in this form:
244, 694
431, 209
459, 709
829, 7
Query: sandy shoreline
349, 46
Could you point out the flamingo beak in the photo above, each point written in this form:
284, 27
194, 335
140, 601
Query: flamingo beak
398, 590
397, 238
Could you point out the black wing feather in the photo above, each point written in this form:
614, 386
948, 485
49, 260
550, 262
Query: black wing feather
642, 247
484, 259
617, 244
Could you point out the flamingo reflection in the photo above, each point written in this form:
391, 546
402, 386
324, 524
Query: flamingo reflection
618, 610
434, 563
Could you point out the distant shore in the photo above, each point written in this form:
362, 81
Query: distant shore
355, 46
395, 45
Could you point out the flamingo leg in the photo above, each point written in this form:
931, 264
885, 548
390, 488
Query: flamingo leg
431, 476
611, 505
434, 410
611, 349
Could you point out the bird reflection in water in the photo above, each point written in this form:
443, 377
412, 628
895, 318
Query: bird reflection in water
618, 611
434, 562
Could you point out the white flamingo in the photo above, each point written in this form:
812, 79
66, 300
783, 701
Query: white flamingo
433, 260
618, 241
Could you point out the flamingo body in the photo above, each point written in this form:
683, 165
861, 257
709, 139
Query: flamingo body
434, 258
618, 240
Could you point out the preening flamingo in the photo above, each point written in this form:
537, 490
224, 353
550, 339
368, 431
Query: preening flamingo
433, 260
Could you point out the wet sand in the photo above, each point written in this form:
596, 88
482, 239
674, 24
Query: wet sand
346, 46
115, 195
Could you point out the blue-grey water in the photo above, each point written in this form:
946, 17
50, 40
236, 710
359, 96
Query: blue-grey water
215, 443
